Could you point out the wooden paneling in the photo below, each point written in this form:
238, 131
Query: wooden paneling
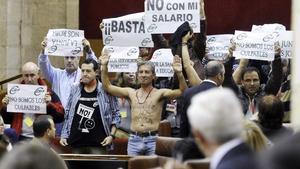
223, 16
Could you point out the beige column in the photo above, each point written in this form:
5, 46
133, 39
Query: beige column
24, 24
3, 23
13, 37
72, 15
295, 118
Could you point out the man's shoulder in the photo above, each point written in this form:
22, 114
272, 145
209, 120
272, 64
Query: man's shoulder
199, 88
75, 86
239, 157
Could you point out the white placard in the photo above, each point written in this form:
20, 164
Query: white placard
286, 44
165, 16
122, 59
128, 30
163, 60
64, 42
26, 98
258, 46
278, 31
217, 46
275, 27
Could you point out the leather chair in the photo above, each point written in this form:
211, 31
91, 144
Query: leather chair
197, 164
164, 128
146, 162
120, 146
165, 145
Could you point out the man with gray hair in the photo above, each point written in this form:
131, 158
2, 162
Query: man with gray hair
216, 118
214, 76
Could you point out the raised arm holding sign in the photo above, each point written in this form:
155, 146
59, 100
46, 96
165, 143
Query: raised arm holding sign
61, 79
191, 73
251, 89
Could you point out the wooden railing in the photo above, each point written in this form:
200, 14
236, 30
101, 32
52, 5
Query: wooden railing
93, 161
94, 157
9, 80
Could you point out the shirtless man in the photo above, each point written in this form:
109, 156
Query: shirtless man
146, 104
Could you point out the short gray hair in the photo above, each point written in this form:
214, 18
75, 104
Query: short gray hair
148, 63
213, 68
217, 115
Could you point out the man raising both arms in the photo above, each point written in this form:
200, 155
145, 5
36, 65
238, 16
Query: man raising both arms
146, 104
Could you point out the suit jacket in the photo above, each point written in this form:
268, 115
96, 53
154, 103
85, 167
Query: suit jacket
185, 129
239, 157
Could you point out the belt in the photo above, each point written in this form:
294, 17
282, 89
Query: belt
144, 134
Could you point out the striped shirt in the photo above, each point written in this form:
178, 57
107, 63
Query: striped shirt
108, 105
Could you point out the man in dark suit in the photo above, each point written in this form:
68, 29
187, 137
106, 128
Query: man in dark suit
216, 118
214, 74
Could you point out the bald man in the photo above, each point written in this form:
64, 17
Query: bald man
22, 122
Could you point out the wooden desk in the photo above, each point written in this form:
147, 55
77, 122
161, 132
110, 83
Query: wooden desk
93, 161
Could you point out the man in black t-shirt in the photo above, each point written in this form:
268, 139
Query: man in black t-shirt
92, 114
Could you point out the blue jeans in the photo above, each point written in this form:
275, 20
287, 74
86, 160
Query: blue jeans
141, 145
